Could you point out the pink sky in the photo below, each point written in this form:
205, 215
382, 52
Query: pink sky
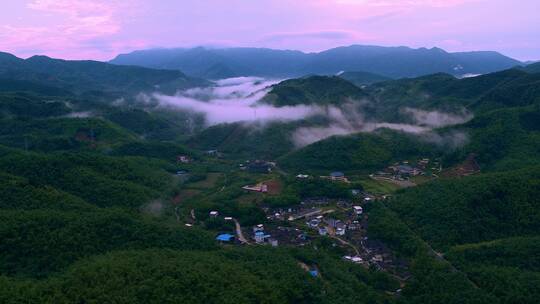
100, 29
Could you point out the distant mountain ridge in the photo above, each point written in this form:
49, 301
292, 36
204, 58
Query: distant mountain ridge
87, 75
392, 62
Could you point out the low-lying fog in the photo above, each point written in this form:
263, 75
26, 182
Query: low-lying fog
238, 100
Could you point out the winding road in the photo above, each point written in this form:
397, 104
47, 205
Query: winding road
239, 232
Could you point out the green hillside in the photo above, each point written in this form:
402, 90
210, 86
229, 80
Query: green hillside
319, 90
363, 152
507, 88
486, 226
104, 198
81, 76
363, 78
532, 68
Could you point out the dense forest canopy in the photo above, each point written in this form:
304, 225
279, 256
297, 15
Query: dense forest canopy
113, 200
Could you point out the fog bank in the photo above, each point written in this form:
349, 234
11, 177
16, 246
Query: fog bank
238, 100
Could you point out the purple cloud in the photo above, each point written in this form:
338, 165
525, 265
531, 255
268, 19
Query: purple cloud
99, 29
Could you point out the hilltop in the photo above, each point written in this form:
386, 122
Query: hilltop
318, 90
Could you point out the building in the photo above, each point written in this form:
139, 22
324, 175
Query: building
183, 159
302, 176
305, 213
214, 214
406, 170
357, 259
258, 228
259, 166
338, 176
273, 242
314, 223
263, 188
377, 258
260, 237
323, 230
354, 259
341, 228
358, 210
226, 237
355, 225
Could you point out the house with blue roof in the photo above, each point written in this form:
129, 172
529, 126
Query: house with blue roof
226, 237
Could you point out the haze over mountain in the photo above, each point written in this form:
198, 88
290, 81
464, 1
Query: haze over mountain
393, 62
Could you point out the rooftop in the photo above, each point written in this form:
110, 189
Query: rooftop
226, 237
337, 174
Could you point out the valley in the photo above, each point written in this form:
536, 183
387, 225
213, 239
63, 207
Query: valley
315, 189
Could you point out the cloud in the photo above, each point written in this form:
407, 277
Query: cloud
349, 120
324, 35
436, 119
307, 135
75, 25
405, 3
233, 100
238, 100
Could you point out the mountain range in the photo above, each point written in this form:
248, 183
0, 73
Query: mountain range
392, 62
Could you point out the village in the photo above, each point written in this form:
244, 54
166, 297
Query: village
340, 220
343, 222
306, 220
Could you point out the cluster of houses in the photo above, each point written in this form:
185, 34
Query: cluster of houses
213, 153
336, 176
404, 170
257, 166
333, 176
333, 226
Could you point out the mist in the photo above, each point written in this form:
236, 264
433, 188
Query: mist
235, 100
238, 100
437, 119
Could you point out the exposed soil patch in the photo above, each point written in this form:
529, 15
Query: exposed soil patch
466, 168
274, 187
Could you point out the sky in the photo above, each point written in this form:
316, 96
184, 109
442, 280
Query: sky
101, 29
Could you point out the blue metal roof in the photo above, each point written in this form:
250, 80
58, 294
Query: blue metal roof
225, 237
337, 174
314, 273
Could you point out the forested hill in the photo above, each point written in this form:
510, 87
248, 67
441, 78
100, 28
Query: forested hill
83, 76
111, 202
507, 88
88, 194
533, 68
314, 90
363, 78
394, 62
